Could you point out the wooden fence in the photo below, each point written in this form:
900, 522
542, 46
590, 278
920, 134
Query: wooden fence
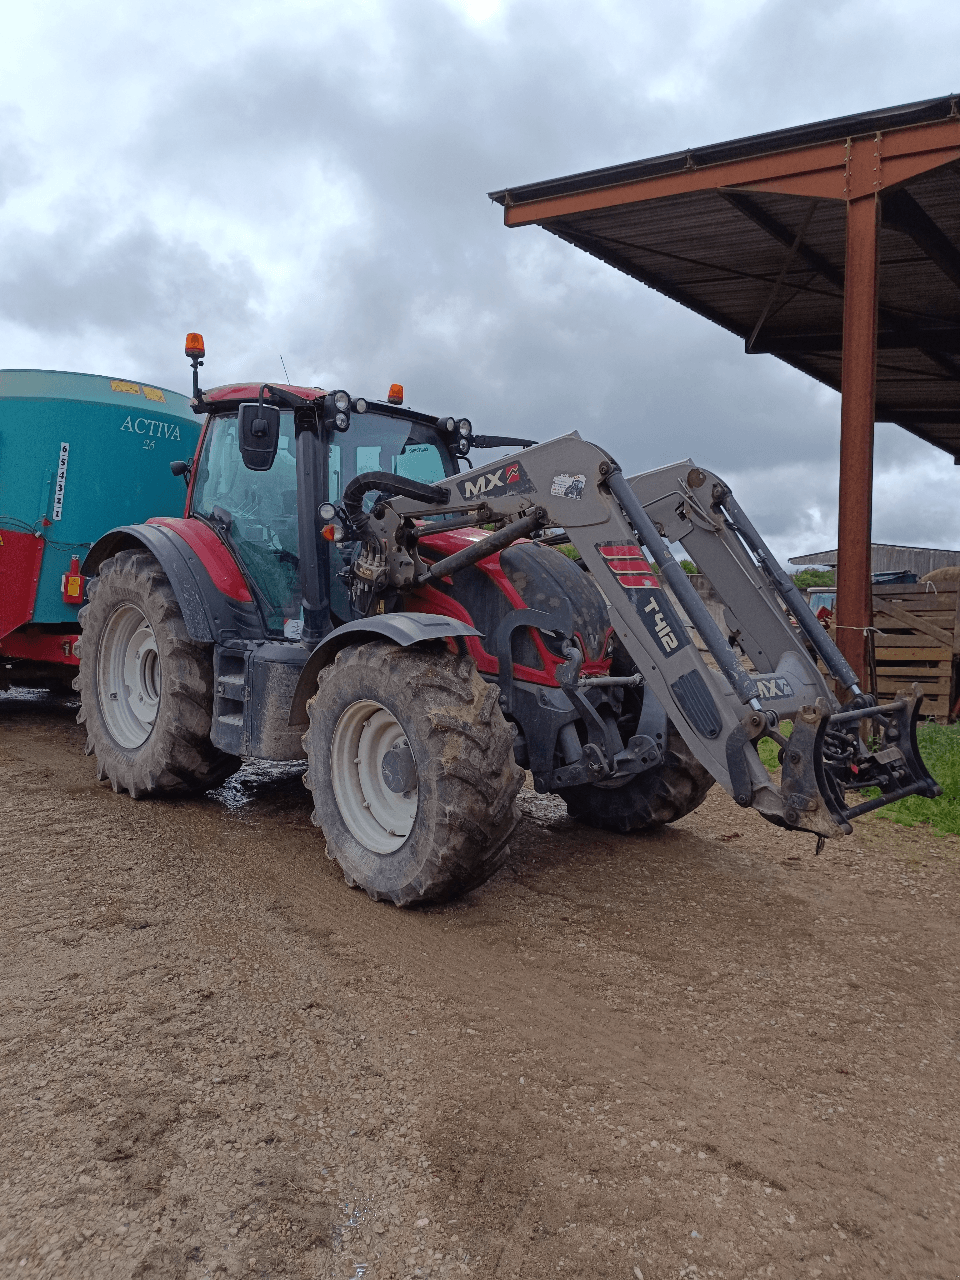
919, 642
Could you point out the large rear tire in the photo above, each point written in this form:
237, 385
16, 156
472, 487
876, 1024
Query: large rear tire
146, 687
649, 800
411, 766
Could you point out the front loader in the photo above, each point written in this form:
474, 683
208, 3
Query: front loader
339, 590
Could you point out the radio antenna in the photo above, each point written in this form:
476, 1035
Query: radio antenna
285, 374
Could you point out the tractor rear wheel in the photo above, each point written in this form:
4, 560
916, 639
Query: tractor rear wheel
146, 687
411, 766
672, 790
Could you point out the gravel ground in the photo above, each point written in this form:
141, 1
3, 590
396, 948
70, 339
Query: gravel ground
702, 1053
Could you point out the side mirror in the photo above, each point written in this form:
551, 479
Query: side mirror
259, 434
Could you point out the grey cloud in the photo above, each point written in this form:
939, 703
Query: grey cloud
135, 284
16, 170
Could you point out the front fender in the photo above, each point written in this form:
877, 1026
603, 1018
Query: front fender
401, 628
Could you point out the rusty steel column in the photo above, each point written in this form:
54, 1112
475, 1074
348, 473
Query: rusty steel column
857, 413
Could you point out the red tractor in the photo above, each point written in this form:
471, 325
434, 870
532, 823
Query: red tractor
339, 590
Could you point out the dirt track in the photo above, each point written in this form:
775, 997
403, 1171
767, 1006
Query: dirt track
697, 1054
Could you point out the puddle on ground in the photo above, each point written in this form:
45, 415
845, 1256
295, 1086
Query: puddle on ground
19, 706
356, 1213
264, 788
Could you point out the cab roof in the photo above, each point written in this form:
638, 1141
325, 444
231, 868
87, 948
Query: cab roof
236, 393
241, 392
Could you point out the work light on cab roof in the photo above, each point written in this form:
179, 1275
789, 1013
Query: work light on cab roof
464, 429
336, 410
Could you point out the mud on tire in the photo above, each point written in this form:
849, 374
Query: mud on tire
650, 799
454, 834
176, 756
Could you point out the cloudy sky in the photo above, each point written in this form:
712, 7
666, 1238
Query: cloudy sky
309, 179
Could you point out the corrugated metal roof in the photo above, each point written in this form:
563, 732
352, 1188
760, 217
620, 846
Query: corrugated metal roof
727, 253
890, 558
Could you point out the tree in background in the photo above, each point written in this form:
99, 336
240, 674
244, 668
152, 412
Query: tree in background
815, 578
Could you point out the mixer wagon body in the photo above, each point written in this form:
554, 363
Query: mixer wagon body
79, 454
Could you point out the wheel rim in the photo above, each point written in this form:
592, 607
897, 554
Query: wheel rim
129, 676
380, 818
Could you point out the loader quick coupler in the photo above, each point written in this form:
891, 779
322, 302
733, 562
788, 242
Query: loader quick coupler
826, 756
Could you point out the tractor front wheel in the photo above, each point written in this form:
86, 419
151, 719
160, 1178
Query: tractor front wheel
411, 766
146, 687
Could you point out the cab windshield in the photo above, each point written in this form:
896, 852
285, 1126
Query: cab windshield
378, 442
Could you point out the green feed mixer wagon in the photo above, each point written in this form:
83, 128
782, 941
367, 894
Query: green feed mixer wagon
79, 454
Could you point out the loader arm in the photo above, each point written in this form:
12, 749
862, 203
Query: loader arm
722, 705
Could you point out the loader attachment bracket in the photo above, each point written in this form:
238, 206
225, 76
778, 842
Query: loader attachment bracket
826, 756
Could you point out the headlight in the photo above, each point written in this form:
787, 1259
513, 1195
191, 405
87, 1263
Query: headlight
326, 511
464, 426
341, 422
341, 400
446, 424
360, 405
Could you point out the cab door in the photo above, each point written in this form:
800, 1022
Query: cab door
256, 512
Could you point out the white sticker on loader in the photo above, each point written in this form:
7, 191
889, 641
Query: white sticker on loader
565, 486
61, 481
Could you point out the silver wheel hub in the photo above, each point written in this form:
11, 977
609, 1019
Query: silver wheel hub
374, 776
129, 676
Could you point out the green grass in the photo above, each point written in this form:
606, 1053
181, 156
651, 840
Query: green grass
940, 751
768, 750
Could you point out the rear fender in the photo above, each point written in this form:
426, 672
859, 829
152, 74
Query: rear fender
401, 628
210, 615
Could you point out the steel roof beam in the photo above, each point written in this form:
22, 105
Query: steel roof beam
866, 124
751, 209
902, 213
896, 336
904, 338
918, 417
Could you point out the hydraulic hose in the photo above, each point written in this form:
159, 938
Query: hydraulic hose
485, 546
386, 482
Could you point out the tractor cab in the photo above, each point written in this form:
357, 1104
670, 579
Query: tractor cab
265, 502
257, 511
272, 468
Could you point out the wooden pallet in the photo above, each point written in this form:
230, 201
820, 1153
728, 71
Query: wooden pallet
919, 643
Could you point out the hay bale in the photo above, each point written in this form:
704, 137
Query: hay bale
939, 577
